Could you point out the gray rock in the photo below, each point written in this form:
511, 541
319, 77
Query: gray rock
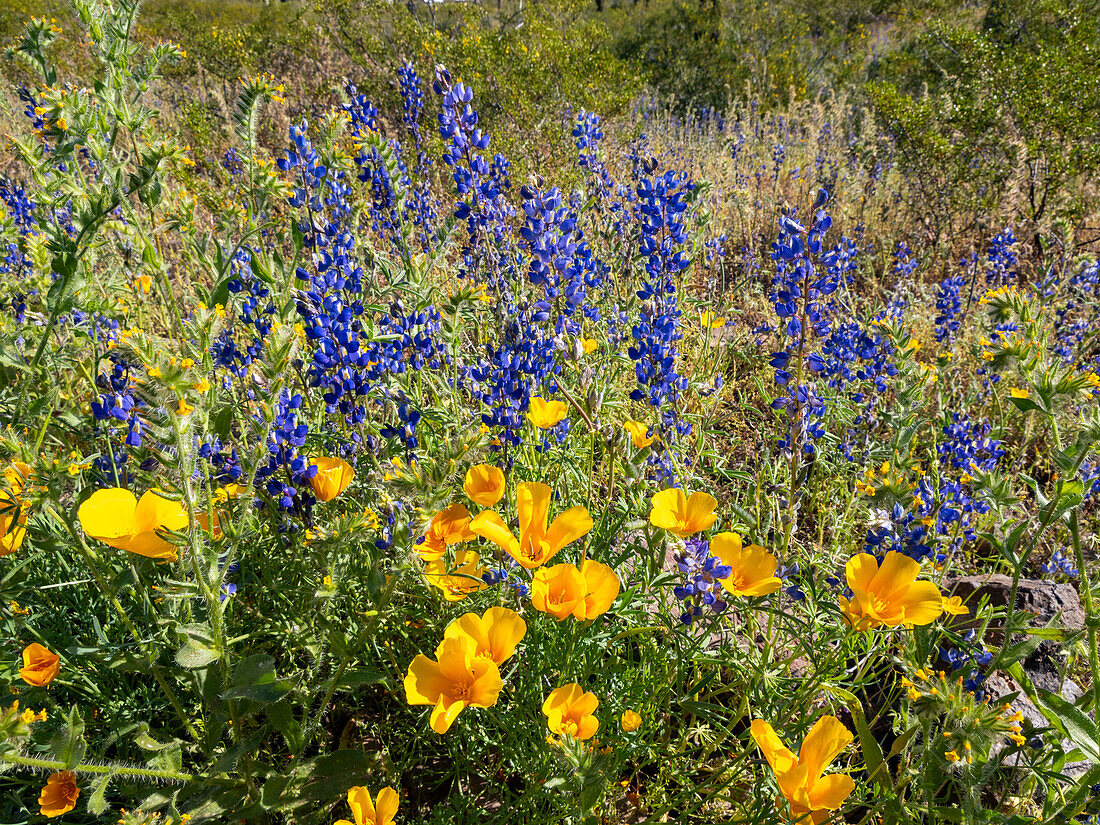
1048, 602
1001, 685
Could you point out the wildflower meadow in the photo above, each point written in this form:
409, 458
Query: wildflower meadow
537, 418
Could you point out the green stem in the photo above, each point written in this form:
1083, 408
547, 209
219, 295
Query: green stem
1090, 611
113, 770
106, 587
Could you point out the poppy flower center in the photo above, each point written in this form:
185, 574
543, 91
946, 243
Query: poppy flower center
535, 549
460, 691
877, 605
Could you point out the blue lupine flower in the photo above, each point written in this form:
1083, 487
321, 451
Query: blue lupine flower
702, 573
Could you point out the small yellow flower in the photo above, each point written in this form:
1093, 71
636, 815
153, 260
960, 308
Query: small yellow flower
447, 527
460, 580
630, 721
1016, 392
537, 542
187, 363
40, 665
589, 345
184, 408
202, 386
953, 606
484, 484
459, 678
752, 568
809, 795
117, 518
154, 372
584, 593
952, 756
890, 595
494, 635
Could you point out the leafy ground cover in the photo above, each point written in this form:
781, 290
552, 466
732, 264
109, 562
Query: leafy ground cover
350, 476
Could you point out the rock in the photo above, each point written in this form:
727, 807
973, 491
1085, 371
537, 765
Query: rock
1000, 685
1044, 599
1047, 601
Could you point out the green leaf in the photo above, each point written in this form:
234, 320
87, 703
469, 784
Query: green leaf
1071, 721
68, 744
63, 291
194, 655
1075, 802
254, 678
872, 751
1024, 404
281, 717
329, 777
97, 802
271, 793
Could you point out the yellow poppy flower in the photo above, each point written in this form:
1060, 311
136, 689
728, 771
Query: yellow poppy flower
569, 710
60, 794
680, 514
116, 518
585, 593
333, 477
16, 477
601, 588
546, 414
366, 811
484, 484
890, 595
557, 590
1016, 392
494, 635
459, 678
752, 568
536, 544
589, 344
630, 721
40, 666
447, 527
953, 606
809, 795
711, 321
639, 434
459, 581
13, 512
